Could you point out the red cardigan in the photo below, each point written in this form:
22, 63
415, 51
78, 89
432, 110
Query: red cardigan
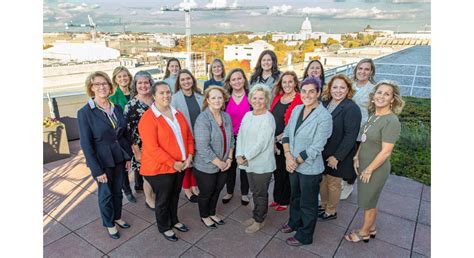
296, 101
160, 150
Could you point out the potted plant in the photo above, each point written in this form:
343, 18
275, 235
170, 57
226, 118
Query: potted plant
55, 145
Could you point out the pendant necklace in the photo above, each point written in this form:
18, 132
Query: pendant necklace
363, 137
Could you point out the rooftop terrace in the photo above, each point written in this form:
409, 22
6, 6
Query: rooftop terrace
73, 228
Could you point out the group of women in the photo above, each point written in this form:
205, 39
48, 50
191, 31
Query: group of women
310, 136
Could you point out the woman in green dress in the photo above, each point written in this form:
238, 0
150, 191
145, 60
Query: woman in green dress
372, 160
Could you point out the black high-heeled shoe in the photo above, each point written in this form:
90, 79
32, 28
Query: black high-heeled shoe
212, 226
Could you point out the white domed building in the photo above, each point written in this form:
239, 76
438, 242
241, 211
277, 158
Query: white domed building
306, 28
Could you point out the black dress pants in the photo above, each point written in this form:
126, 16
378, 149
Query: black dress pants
282, 189
232, 174
167, 188
210, 186
110, 195
304, 205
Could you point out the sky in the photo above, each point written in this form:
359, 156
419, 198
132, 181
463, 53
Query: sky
332, 16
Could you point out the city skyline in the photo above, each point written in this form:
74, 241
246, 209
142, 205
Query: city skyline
338, 16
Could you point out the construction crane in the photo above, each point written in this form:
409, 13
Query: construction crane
91, 25
214, 6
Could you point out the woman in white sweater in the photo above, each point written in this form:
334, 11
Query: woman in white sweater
254, 153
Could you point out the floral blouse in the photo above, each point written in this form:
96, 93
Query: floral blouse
133, 111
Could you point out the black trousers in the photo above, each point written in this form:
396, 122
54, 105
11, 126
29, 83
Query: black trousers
167, 188
210, 186
282, 189
304, 205
126, 184
110, 195
232, 174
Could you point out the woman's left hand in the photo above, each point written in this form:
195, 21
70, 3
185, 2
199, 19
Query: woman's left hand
365, 176
128, 165
332, 162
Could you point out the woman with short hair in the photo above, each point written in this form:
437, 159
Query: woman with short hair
304, 138
140, 102
254, 153
214, 152
106, 147
168, 149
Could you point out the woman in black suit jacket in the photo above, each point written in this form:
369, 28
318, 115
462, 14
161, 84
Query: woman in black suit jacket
106, 147
341, 146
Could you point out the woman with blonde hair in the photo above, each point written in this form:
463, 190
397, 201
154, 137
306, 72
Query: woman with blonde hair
363, 84
372, 160
254, 153
121, 80
216, 74
106, 147
214, 152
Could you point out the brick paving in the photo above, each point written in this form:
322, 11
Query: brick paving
72, 225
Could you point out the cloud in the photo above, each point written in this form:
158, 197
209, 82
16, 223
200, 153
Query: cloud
410, 1
357, 13
95, 6
217, 4
157, 12
223, 25
254, 13
279, 10
189, 4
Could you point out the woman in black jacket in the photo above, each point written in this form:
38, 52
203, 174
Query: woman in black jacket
341, 146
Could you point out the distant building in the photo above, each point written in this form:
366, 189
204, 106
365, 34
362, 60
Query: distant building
79, 52
197, 62
249, 52
305, 33
166, 40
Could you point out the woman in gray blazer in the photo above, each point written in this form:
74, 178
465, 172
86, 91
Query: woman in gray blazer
308, 129
188, 100
213, 156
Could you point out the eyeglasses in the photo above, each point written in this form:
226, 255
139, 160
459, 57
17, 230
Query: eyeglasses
98, 85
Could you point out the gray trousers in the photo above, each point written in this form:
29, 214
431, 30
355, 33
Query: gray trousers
259, 186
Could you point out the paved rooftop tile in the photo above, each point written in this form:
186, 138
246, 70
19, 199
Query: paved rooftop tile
72, 224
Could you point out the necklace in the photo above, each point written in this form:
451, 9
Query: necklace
238, 96
367, 126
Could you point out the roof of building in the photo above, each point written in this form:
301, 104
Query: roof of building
80, 52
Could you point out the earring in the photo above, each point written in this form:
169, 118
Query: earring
372, 101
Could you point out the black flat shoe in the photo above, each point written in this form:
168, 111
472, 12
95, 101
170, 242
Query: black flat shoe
124, 225
325, 217
220, 222
224, 201
149, 207
193, 198
172, 238
212, 226
183, 228
131, 198
114, 236
320, 209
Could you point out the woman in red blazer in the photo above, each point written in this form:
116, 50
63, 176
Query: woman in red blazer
167, 150
287, 97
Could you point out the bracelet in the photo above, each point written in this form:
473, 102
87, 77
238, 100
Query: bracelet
287, 152
229, 159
